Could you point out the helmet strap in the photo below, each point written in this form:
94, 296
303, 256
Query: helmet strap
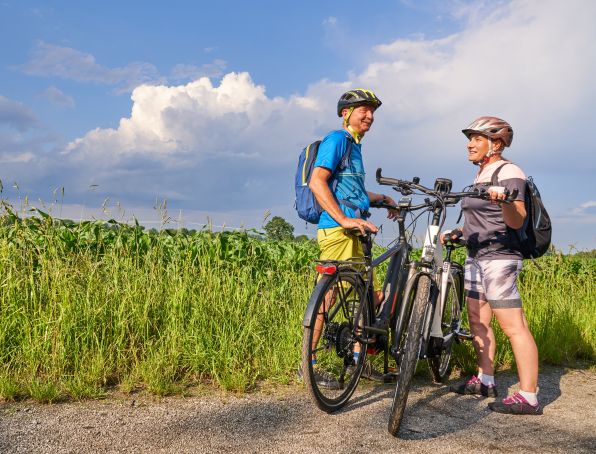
347, 118
357, 137
491, 152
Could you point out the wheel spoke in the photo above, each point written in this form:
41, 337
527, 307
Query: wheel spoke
328, 345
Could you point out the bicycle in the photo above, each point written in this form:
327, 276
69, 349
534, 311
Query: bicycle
434, 292
342, 301
341, 319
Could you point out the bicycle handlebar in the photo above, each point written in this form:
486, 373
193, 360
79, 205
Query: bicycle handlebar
398, 208
449, 198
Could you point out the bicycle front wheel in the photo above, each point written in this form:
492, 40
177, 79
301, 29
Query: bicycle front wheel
330, 340
411, 350
450, 322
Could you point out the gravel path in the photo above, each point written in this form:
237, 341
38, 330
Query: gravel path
284, 420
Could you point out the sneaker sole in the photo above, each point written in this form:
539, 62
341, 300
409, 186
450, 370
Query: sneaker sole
514, 409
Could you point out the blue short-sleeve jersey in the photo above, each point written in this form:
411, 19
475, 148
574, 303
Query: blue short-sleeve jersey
350, 181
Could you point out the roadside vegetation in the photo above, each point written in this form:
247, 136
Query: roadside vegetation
91, 306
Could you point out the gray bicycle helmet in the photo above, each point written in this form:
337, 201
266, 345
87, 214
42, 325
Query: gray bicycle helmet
491, 127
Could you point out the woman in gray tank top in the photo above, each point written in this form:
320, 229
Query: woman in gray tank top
492, 267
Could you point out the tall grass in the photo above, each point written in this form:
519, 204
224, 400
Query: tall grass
559, 300
85, 307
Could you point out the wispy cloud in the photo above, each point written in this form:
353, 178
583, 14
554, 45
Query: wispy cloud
50, 60
68, 63
58, 97
585, 208
16, 115
331, 21
184, 72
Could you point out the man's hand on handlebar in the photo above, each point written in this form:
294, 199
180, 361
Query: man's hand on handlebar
360, 224
392, 213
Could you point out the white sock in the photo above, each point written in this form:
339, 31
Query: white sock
532, 398
487, 380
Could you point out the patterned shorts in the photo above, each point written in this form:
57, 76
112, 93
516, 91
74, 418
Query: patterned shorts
494, 281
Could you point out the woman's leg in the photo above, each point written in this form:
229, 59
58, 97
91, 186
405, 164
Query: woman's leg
514, 325
480, 315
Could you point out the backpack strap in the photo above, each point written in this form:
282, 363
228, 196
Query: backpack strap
345, 160
494, 180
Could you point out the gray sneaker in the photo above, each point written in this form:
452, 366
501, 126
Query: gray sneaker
515, 405
474, 386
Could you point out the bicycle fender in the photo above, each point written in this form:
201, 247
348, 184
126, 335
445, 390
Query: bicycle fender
310, 307
312, 301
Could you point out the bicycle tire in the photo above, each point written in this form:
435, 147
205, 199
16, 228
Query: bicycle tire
451, 318
411, 350
334, 348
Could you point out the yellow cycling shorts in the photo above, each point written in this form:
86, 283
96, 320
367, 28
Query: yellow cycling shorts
336, 244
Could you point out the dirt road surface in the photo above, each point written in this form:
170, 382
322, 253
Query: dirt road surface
285, 420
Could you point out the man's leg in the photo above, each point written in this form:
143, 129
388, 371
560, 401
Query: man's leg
334, 244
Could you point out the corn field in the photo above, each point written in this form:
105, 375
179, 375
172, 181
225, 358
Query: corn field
92, 306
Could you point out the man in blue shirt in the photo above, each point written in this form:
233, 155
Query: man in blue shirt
346, 207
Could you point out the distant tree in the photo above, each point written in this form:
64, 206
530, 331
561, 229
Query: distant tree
279, 229
300, 238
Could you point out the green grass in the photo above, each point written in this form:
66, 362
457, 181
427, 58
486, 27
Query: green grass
87, 307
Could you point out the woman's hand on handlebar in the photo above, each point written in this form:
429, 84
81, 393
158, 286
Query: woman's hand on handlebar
454, 235
360, 224
498, 194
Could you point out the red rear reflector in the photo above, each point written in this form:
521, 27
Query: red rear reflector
326, 269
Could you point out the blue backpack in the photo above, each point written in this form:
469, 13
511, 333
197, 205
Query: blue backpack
306, 204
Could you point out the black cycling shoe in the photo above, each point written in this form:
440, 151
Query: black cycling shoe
323, 378
474, 386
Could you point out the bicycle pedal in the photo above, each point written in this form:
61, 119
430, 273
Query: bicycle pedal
390, 377
462, 334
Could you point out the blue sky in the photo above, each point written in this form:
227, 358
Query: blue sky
207, 104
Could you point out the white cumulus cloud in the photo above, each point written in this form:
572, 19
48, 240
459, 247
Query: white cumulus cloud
198, 120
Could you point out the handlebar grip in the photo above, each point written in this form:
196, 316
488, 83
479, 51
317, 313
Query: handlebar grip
511, 197
387, 181
383, 205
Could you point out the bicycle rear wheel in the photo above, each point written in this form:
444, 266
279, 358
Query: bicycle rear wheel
411, 349
450, 322
328, 368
